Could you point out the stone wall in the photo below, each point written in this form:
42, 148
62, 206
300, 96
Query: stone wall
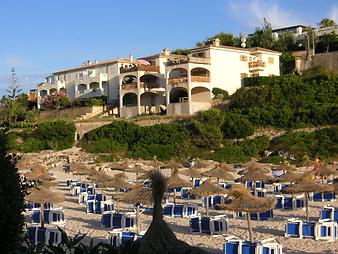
328, 60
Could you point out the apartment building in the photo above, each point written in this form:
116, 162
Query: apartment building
91, 79
165, 83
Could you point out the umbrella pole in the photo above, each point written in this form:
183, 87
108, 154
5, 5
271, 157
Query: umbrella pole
254, 187
249, 226
307, 206
42, 215
175, 196
207, 207
137, 218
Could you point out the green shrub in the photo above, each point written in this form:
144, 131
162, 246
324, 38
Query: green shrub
258, 81
207, 128
236, 126
11, 203
220, 93
322, 143
104, 145
89, 102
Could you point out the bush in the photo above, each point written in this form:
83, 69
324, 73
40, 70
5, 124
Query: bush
89, 102
236, 126
322, 143
220, 93
11, 203
207, 128
258, 81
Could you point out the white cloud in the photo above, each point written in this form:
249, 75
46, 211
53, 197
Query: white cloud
252, 13
15, 61
334, 13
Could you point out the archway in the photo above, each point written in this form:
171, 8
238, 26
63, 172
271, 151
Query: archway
178, 95
52, 90
178, 73
62, 91
150, 81
148, 99
200, 94
129, 100
43, 93
129, 79
94, 86
200, 75
81, 88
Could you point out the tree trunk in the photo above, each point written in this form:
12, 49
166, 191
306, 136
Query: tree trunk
42, 215
307, 206
207, 207
249, 226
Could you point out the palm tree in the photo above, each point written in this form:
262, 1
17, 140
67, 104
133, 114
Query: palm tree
241, 200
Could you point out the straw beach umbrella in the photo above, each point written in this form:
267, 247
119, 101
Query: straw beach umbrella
288, 177
326, 170
159, 238
241, 200
258, 175
43, 195
207, 189
119, 166
137, 169
175, 181
219, 173
202, 164
307, 185
138, 195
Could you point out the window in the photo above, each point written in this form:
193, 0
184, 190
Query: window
254, 75
244, 75
244, 58
271, 60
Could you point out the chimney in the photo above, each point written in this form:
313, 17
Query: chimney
216, 42
166, 51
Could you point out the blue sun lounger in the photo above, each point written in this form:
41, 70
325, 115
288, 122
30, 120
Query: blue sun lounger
117, 238
234, 245
118, 220
213, 225
54, 216
179, 210
330, 213
47, 235
322, 230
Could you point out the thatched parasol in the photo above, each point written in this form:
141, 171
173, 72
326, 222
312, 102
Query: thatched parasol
207, 189
191, 172
219, 173
137, 195
137, 169
307, 185
102, 178
44, 195
155, 163
202, 164
175, 181
287, 167
227, 167
243, 201
24, 163
159, 238
119, 166
326, 170
172, 165
288, 177
307, 162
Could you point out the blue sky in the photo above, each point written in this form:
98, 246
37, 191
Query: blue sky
39, 36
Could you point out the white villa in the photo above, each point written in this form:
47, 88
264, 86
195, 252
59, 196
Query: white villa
174, 84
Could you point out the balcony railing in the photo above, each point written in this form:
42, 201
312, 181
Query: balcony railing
91, 90
149, 85
150, 68
175, 81
190, 59
200, 79
129, 86
257, 65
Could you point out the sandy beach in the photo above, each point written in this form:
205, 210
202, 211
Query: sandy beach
78, 221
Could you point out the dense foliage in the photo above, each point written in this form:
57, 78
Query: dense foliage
11, 203
236, 126
56, 135
289, 101
164, 141
321, 143
241, 151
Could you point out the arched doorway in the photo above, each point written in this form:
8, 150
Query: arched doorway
200, 94
200, 75
178, 95
129, 100
149, 81
81, 88
179, 75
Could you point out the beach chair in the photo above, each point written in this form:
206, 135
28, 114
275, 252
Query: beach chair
293, 228
146, 210
288, 202
308, 229
118, 220
168, 210
190, 210
329, 196
185, 194
178, 210
93, 206
51, 216
129, 220
210, 201
317, 197
196, 182
326, 230
329, 212
194, 224
269, 246
116, 238
265, 215
47, 235
214, 225
83, 197
279, 201
107, 205
260, 192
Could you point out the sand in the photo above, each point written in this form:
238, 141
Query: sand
78, 221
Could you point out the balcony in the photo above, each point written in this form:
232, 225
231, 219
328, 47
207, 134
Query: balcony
147, 85
87, 79
129, 86
257, 65
89, 93
190, 59
141, 67
200, 79
177, 81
